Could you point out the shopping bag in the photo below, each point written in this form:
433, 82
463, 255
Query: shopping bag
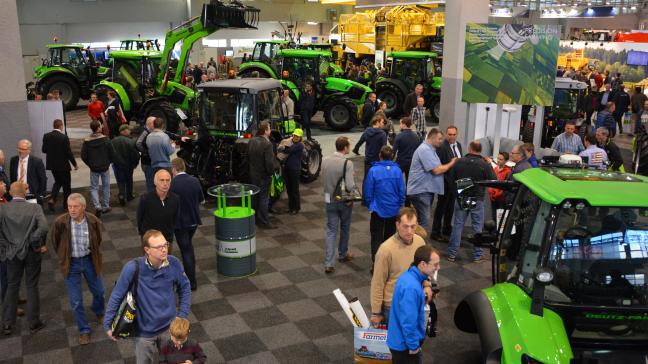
370, 346
277, 186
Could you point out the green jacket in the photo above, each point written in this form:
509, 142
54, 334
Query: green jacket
126, 154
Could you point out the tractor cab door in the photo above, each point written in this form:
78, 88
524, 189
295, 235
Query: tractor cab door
410, 71
269, 109
302, 71
128, 74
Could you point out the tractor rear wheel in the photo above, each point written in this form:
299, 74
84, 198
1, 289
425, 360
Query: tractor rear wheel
341, 113
163, 109
435, 109
67, 86
311, 162
392, 96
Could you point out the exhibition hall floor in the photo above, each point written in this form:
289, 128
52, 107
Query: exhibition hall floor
286, 313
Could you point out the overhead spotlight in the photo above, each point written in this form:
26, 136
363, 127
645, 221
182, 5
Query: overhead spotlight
571, 44
585, 43
601, 44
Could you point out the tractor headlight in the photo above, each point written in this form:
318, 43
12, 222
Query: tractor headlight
544, 275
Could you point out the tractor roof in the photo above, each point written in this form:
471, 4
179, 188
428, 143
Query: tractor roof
412, 54
253, 85
135, 54
568, 83
303, 53
274, 41
598, 188
137, 40
57, 45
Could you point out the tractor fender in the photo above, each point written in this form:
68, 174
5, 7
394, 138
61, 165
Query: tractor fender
44, 72
252, 66
474, 314
292, 87
543, 338
121, 93
147, 104
330, 96
400, 84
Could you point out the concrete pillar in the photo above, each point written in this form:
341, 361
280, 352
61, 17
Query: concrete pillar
14, 120
458, 13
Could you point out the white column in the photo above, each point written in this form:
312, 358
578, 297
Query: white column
458, 13
14, 122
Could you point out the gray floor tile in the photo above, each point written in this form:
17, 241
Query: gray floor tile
268, 281
265, 357
239, 346
225, 326
281, 335
248, 301
264, 317
302, 309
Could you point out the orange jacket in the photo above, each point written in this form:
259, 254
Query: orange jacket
502, 174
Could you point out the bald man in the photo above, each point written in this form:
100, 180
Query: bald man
158, 209
28, 169
23, 229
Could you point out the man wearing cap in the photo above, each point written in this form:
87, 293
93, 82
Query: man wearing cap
292, 170
125, 160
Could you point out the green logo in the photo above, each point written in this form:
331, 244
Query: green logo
605, 316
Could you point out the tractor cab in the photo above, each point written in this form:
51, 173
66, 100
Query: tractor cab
139, 45
405, 69
266, 51
228, 113
570, 263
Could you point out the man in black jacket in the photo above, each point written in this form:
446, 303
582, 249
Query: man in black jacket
97, 153
190, 192
56, 147
376, 138
410, 99
475, 167
405, 145
307, 108
450, 148
368, 109
614, 154
126, 159
28, 169
158, 210
262, 166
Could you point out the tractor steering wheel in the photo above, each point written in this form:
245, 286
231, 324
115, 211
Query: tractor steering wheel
577, 232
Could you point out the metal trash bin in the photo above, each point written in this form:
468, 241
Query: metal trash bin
235, 229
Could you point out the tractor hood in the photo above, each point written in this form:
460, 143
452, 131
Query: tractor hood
354, 90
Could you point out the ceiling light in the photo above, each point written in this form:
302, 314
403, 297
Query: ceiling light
312, 23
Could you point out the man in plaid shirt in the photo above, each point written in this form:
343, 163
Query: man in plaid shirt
568, 142
418, 117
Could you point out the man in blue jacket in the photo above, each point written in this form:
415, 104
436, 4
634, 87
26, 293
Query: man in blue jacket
384, 194
375, 137
406, 330
160, 276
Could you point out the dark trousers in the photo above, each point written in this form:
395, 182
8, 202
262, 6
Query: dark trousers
184, 238
405, 167
404, 357
443, 214
62, 179
3, 281
306, 122
261, 201
31, 267
291, 177
619, 120
124, 177
381, 229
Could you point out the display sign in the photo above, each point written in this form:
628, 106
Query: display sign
637, 58
510, 64
237, 249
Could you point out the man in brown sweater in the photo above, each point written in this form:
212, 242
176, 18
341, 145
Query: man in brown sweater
393, 258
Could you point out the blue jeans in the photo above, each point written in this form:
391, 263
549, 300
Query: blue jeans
105, 187
148, 175
83, 266
338, 214
460, 217
422, 203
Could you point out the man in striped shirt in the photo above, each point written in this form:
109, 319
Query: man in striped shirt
568, 142
418, 117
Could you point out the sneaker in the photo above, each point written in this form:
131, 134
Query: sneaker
329, 270
84, 339
122, 201
346, 258
479, 259
6, 330
106, 210
98, 212
451, 258
37, 326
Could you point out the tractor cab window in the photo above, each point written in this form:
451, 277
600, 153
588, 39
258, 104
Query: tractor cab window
127, 73
324, 67
408, 71
599, 256
429, 69
269, 105
520, 221
227, 111
256, 53
301, 70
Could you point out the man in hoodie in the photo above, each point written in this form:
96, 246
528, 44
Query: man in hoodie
126, 159
384, 194
375, 137
97, 153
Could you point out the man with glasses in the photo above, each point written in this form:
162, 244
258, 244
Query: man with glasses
406, 330
160, 276
29, 170
375, 137
76, 236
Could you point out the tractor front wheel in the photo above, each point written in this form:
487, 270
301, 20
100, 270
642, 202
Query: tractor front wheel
391, 95
311, 161
341, 114
164, 110
68, 88
435, 109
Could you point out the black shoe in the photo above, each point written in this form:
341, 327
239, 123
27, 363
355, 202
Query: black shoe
50, 205
275, 212
6, 330
292, 212
98, 213
37, 326
106, 210
130, 198
122, 201
194, 288
439, 238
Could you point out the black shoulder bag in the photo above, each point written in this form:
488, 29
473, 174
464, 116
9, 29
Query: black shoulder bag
124, 325
341, 193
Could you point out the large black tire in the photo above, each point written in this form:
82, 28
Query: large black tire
248, 73
435, 109
67, 85
392, 95
341, 113
311, 162
163, 109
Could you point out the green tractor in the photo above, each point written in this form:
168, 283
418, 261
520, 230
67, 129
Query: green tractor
150, 83
227, 116
71, 70
569, 269
404, 70
139, 45
336, 70
337, 97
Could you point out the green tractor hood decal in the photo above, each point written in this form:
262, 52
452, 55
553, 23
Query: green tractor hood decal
542, 338
41, 72
254, 64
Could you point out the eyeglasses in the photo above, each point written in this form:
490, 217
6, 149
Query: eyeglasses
515, 152
160, 247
